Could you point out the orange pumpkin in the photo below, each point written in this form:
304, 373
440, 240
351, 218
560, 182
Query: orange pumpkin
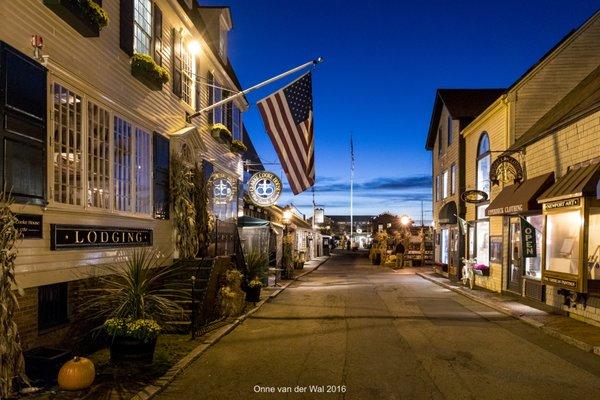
76, 374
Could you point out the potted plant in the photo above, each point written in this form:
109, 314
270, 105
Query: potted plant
481, 269
257, 263
85, 16
147, 71
221, 133
133, 301
237, 146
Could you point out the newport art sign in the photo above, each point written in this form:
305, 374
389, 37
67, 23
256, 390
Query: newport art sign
222, 188
83, 236
264, 188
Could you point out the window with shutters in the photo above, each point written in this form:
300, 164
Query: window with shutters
158, 35
99, 193
142, 171
210, 81
187, 78
122, 164
142, 26
67, 145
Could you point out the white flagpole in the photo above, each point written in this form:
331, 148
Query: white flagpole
258, 86
351, 192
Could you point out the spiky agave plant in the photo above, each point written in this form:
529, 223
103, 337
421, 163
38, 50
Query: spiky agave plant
257, 264
139, 288
12, 364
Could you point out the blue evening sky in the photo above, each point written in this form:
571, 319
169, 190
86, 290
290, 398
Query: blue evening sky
383, 63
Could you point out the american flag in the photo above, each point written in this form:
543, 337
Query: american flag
288, 118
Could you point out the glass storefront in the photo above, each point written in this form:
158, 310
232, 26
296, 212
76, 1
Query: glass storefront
444, 246
562, 242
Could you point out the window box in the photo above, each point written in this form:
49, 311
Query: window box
237, 146
221, 133
144, 69
481, 270
85, 16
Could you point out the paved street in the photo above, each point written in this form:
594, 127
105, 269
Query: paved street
378, 334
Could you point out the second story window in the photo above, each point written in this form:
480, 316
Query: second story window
142, 26
440, 141
445, 185
453, 177
187, 78
483, 163
236, 128
217, 96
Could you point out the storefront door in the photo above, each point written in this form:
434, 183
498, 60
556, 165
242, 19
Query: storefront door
515, 263
453, 253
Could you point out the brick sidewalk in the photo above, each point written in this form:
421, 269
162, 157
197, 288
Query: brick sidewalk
561, 326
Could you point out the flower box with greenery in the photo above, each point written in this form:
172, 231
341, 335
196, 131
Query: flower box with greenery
147, 71
135, 299
221, 133
257, 264
237, 146
481, 269
85, 16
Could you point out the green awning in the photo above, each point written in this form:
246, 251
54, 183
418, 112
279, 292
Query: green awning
250, 222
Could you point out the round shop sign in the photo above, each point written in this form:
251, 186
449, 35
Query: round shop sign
222, 188
264, 188
474, 196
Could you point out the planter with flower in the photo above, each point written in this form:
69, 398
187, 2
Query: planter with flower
257, 264
481, 269
237, 146
85, 16
135, 301
231, 296
147, 71
221, 133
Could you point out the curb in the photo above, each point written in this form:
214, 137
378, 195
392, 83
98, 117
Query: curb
149, 391
549, 331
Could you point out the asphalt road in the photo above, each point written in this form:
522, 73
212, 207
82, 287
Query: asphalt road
357, 331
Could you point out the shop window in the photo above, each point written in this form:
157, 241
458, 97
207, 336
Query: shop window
482, 242
52, 306
142, 26
483, 163
122, 164
142, 171
594, 246
471, 241
67, 146
98, 161
562, 242
533, 265
444, 246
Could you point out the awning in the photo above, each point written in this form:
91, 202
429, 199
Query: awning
250, 222
447, 214
520, 197
578, 182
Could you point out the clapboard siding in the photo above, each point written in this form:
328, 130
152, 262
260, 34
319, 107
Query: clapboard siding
557, 76
98, 69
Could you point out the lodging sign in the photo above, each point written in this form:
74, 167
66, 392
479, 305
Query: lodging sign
83, 236
264, 188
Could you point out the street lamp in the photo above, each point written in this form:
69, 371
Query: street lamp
287, 215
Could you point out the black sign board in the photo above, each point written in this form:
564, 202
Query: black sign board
31, 225
528, 239
561, 204
83, 236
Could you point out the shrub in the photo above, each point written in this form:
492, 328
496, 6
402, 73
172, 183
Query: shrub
142, 65
237, 146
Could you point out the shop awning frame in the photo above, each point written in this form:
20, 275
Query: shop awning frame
578, 182
520, 197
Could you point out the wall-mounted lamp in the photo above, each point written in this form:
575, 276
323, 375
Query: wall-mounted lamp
194, 47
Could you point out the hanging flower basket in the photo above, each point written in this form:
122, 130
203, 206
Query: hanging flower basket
221, 133
85, 16
144, 69
237, 146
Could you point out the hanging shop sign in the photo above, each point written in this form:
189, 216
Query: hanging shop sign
30, 225
528, 239
561, 204
222, 188
474, 196
83, 236
264, 188
506, 169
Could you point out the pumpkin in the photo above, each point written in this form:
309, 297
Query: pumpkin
76, 374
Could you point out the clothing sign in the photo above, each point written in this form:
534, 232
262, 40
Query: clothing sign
528, 239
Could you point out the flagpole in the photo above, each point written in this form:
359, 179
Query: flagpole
351, 192
258, 86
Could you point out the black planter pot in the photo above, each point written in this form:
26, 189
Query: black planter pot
73, 16
253, 293
126, 349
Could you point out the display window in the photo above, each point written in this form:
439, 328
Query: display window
562, 242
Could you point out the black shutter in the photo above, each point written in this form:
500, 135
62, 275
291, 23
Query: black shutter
158, 36
198, 86
177, 63
211, 96
161, 176
229, 111
126, 26
23, 119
